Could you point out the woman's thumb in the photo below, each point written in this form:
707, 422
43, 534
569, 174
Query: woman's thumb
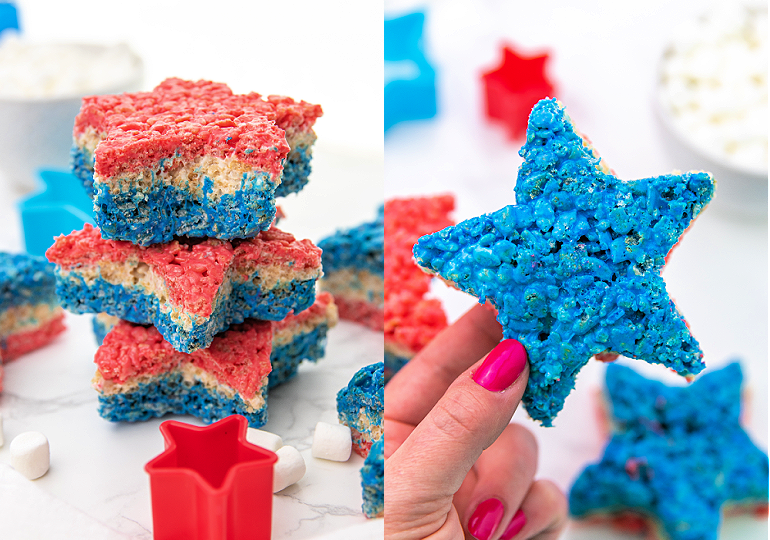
470, 416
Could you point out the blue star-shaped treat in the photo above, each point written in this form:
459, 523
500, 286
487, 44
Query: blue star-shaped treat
678, 456
574, 268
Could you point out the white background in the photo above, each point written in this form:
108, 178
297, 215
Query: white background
603, 61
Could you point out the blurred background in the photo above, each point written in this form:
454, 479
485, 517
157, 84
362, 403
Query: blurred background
636, 79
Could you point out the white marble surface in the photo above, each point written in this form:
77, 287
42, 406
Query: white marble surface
603, 61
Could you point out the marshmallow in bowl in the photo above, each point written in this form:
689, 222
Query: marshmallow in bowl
55, 70
714, 83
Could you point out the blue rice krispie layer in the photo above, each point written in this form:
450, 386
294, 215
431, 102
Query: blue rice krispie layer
25, 279
373, 481
360, 247
360, 406
678, 456
163, 212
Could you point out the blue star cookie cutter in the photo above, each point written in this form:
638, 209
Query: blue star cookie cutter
410, 80
677, 456
9, 18
574, 267
60, 206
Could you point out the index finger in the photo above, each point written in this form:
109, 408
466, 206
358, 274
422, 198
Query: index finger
417, 387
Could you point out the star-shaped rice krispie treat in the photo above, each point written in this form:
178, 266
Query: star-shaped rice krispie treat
573, 268
678, 456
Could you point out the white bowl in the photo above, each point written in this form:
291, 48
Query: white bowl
712, 71
741, 191
36, 132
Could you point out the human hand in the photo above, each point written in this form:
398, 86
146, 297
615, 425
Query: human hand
454, 465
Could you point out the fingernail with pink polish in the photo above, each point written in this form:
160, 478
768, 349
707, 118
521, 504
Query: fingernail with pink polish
515, 526
502, 366
485, 519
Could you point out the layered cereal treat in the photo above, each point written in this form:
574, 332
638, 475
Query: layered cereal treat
30, 316
354, 268
412, 318
102, 323
189, 289
573, 268
373, 481
360, 406
190, 159
678, 458
140, 375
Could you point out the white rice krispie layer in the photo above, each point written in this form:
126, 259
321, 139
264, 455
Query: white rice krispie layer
286, 335
27, 317
359, 285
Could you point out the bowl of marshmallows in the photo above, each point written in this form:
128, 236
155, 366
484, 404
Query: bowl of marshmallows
41, 87
712, 101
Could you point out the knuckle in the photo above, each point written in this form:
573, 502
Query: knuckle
524, 438
457, 418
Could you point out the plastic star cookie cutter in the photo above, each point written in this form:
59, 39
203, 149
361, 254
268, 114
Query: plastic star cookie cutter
678, 455
574, 268
514, 87
211, 484
60, 206
410, 81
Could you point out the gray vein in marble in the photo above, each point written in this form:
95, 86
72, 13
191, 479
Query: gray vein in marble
20, 407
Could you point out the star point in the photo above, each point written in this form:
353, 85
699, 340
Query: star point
574, 267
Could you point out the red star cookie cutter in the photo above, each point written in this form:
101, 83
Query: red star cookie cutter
513, 88
210, 484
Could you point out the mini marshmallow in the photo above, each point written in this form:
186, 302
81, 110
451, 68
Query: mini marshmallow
289, 469
264, 439
332, 441
30, 454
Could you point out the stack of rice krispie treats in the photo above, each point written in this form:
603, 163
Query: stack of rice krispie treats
207, 303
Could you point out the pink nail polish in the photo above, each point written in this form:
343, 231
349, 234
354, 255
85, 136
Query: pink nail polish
515, 526
502, 366
485, 519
